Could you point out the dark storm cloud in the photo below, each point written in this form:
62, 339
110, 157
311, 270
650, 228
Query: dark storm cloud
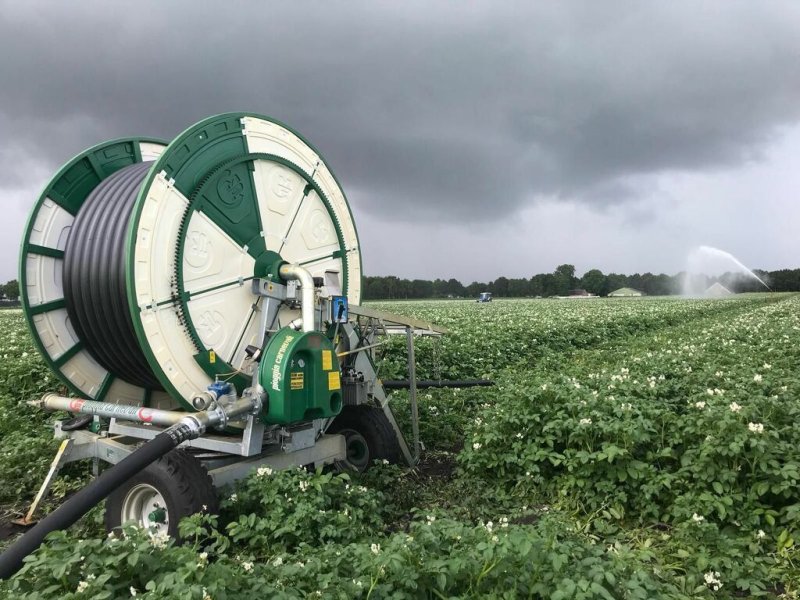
446, 110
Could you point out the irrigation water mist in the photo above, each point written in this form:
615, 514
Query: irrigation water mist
707, 260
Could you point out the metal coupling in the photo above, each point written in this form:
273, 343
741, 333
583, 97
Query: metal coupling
202, 400
188, 428
216, 415
258, 396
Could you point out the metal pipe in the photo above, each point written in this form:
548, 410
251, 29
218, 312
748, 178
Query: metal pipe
295, 271
359, 349
216, 416
401, 384
123, 412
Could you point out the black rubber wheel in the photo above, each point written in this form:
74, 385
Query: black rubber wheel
369, 436
173, 487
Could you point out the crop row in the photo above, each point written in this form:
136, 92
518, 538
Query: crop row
487, 338
693, 433
641, 449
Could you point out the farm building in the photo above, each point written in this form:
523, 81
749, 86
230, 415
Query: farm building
717, 291
625, 293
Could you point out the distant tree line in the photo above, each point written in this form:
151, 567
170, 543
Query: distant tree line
558, 283
9, 290
9, 293
563, 280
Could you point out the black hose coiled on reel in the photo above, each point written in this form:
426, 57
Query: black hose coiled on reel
94, 277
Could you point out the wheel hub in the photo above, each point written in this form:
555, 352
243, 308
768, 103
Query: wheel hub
145, 506
357, 449
158, 516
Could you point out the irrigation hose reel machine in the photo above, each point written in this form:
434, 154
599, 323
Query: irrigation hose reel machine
209, 286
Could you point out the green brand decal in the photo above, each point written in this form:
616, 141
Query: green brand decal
276, 367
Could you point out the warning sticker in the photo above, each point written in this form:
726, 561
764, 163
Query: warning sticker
212, 356
327, 360
296, 381
333, 380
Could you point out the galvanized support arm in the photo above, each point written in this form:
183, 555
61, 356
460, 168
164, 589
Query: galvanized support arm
293, 271
412, 391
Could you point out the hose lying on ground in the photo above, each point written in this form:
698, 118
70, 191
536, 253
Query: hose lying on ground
404, 384
79, 504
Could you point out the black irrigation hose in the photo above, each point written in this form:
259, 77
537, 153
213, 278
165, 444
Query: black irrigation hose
404, 384
79, 504
94, 277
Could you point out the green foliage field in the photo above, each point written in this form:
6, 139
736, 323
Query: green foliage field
643, 448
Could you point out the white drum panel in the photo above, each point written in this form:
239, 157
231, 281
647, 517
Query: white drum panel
43, 279
301, 228
150, 150
158, 229
271, 138
122, 392
220, 316
55, 332
84, 373
313, 234
52, 225
170, 344
279, 191
354, 279
211, 257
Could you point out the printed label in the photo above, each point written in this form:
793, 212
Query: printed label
296, 380
333, 380
327, 360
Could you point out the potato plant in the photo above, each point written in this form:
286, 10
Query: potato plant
629, 449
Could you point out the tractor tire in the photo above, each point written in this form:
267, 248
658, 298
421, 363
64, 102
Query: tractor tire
368, 435
173, 487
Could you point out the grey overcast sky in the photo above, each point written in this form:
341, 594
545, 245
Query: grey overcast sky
473, 139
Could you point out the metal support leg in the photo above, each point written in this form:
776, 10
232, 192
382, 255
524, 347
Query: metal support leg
412, 392
387, 410
55, 466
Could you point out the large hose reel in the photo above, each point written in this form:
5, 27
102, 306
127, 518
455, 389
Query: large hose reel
137, 259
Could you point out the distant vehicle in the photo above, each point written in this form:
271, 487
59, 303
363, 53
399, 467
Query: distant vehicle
484, 297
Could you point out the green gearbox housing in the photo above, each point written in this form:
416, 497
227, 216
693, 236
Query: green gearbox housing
300, 373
